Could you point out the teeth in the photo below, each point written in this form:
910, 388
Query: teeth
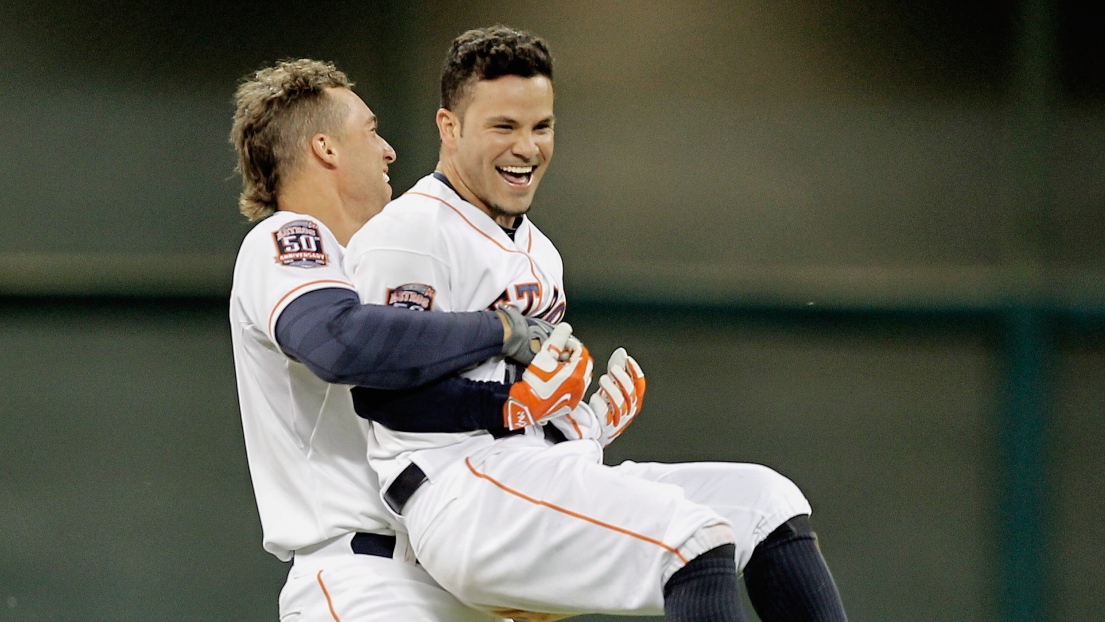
518, 170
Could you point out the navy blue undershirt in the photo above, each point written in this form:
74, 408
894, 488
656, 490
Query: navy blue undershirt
438, 175
402, 360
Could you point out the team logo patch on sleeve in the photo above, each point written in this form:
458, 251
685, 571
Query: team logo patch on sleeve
416, 296
299, 244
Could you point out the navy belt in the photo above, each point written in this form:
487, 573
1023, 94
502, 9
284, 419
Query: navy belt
402, 488
373, 544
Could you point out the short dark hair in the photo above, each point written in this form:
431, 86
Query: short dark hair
490, 53
279, 108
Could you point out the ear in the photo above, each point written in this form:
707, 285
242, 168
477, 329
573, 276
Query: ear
324, 150
448, 127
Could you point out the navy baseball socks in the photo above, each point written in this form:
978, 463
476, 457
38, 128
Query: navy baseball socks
705, 590
787, 578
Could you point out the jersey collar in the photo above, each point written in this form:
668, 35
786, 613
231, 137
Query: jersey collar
509, 231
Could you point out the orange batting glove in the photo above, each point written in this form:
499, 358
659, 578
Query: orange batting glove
550, 386
620, 396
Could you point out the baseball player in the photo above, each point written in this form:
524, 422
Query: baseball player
314, 170
515, 523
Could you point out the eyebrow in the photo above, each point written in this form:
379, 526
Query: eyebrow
496, 120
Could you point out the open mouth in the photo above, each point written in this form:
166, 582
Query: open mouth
517, 176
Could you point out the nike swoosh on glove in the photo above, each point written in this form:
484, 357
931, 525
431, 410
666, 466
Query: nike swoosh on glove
550, 386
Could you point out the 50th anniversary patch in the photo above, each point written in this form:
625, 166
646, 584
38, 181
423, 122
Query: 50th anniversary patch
299, 244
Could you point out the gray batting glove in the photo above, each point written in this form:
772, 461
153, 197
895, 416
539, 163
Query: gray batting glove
526, 334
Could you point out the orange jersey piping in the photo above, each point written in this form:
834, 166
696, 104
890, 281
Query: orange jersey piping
326, 593
583, 517
532, 269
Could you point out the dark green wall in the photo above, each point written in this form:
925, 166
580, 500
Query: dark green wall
713, 136
125, 491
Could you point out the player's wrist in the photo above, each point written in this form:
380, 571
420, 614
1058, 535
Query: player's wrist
523, 336
505, 321
516, 340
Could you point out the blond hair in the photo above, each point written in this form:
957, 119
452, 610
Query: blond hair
279, 109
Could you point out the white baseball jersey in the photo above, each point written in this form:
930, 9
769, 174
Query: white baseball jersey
307, 448
409, 255
304, 443
516, 524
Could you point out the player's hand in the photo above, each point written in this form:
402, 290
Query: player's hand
619, 397
580, 424
553, 384
527, 334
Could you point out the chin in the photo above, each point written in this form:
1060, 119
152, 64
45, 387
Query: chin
515, 210
517, 205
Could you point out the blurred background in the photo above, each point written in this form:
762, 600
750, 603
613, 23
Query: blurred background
860, 242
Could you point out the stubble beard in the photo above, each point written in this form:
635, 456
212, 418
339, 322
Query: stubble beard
496, 210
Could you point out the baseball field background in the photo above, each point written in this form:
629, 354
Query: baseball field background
860, 242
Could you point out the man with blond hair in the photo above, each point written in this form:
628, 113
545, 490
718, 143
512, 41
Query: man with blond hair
314, 170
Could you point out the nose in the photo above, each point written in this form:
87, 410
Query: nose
526, 146
389, 152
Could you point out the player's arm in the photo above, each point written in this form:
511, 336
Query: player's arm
305, 303
346, 342
451, 404
549, 388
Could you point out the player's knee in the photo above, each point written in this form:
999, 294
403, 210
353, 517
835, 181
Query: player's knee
780, 497
709, 537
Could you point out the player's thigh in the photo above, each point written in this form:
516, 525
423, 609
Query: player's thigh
366, 588
755, 499
543, 529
